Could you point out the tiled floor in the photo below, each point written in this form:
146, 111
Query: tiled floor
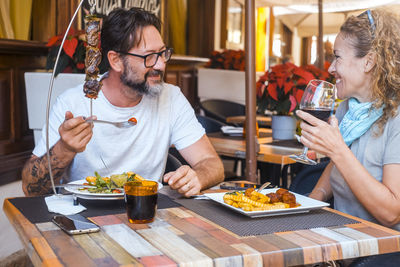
17, 259
7, 231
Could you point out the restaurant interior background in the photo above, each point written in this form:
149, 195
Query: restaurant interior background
194, 28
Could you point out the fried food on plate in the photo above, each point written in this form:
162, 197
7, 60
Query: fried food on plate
251, 200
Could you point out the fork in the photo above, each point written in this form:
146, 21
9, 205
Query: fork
121, 124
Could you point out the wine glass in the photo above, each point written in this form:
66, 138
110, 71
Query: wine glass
318, 100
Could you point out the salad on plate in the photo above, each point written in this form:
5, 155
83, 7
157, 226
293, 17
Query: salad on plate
109, 185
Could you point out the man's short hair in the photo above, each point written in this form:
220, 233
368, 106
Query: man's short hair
122, 29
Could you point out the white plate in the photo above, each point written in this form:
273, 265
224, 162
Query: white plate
306, 204
99, 196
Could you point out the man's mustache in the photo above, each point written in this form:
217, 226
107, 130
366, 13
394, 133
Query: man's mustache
155, 73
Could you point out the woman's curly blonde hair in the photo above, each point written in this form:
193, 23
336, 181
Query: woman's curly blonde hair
379, 35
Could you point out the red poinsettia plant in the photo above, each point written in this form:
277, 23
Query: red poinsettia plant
320, 74
280, 89
72, 57
227, 59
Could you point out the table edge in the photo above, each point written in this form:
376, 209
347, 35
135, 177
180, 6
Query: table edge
30, 236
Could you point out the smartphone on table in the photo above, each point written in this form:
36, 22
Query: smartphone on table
75, 224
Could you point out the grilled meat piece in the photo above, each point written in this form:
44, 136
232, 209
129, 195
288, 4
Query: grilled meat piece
91, 88
288, 198
92, 30
273, 198
92, 61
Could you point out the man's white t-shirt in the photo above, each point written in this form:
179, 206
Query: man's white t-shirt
162, 121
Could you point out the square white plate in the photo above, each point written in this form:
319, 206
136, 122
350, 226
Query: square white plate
306, 204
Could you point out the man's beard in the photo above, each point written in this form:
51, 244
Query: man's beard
129, 79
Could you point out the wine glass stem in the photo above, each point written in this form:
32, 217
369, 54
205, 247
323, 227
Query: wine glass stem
305, 150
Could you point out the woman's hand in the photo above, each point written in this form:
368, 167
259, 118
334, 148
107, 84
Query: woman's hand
320, 136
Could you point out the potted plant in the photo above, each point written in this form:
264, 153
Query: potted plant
72, 57
279, 93
227, 60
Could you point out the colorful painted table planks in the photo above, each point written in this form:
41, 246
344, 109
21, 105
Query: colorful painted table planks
179, 236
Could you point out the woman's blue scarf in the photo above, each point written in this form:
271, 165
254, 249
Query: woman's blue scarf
357, 120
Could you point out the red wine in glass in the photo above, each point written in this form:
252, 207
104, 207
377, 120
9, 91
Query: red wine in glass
318, 100
320, 113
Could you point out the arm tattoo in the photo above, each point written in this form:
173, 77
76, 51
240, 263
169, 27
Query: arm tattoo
37, 176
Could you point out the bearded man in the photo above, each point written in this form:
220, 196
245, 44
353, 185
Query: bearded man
132, 87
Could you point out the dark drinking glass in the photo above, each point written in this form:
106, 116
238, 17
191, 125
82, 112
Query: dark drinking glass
141, 201
318, 100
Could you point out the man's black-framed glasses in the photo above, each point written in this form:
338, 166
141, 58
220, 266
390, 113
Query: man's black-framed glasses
151, 59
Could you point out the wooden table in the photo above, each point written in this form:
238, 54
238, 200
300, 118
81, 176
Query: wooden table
263, 121
231, 147
182, 237
236, 148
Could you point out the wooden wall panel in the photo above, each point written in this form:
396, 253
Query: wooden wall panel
201, 20
51, 17
43, 20
5, 80
65, 10
16, 140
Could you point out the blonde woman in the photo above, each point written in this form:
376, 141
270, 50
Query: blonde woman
363, 138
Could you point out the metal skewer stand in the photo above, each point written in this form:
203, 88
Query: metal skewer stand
92, 4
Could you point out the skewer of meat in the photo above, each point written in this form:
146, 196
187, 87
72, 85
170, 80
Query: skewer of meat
92, 86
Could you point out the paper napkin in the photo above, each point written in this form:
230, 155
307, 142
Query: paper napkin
63, 204
231, 130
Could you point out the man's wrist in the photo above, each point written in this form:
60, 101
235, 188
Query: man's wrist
67, 155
